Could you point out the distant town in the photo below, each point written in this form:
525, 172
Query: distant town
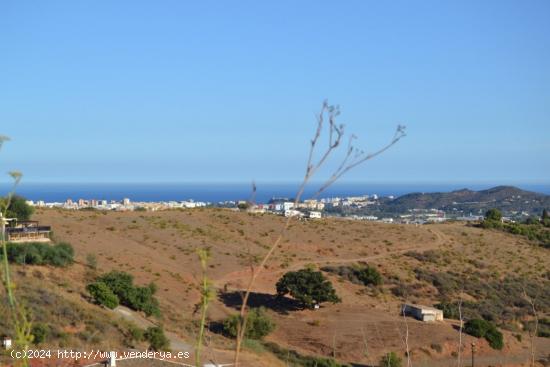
345, 207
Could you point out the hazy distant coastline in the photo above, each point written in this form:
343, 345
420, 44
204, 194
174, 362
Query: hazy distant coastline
215, 192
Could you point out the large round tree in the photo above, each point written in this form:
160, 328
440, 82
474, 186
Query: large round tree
308, 287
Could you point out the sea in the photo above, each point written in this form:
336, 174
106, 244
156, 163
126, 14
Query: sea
219, 192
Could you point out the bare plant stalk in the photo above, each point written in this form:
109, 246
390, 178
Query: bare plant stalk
206, 297
21, 323
406, 339
353, 158
461, 320
532, 333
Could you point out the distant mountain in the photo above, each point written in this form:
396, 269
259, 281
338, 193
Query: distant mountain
509, 199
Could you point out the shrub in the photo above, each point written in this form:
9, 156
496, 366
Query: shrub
495, 339
485, 329
37, 253
369, 275
156, 338
137, 298
102, 294
39, 333
258, 324
61, 255
135, 333
307, 286
493, 214
357, 274
91, 261
390, 360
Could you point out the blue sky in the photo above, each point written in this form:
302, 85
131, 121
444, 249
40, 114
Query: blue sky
227, 90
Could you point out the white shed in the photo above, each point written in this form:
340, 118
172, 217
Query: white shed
422, 313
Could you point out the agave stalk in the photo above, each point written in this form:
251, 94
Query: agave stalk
21, 323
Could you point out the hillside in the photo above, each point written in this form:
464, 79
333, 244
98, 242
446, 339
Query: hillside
509, 199
422, 264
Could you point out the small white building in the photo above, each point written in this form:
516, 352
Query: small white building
422, 313
315, 215
293, 213
6, 343
287, 205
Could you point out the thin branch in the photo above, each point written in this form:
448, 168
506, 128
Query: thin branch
335, 135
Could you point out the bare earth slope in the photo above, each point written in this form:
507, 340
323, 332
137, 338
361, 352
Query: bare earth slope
160, 247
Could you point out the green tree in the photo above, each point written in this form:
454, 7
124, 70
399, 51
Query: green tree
18, 208
493, 214
102, 294
307, 286
390, 360
258, 324
156, 338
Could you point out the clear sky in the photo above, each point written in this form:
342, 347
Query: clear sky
227, 90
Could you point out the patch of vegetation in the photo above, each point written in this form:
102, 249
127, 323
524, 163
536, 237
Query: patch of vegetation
156, 338
38, 253
533, 229
258, 324
308, 287
484, 329
294, 359
39, 333
18, 208
498, 300
357, 274
121, 285
431, 256
543, 328
450, 310
102, 294
390, 360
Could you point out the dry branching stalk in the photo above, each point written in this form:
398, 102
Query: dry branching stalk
534, 331
461, 320
406, 338
352, 159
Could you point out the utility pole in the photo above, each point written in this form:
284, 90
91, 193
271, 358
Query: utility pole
473, 353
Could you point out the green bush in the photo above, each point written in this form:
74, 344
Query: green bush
37, 253
137, 298
18, 208
307, 286
102, 294
390, 360
485, 329
135, 333
493, 214
156, 338
477, 327
495, 339
39, 333
357, 274
258, 324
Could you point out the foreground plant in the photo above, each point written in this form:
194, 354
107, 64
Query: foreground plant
353, 157
22, 325
207, 294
